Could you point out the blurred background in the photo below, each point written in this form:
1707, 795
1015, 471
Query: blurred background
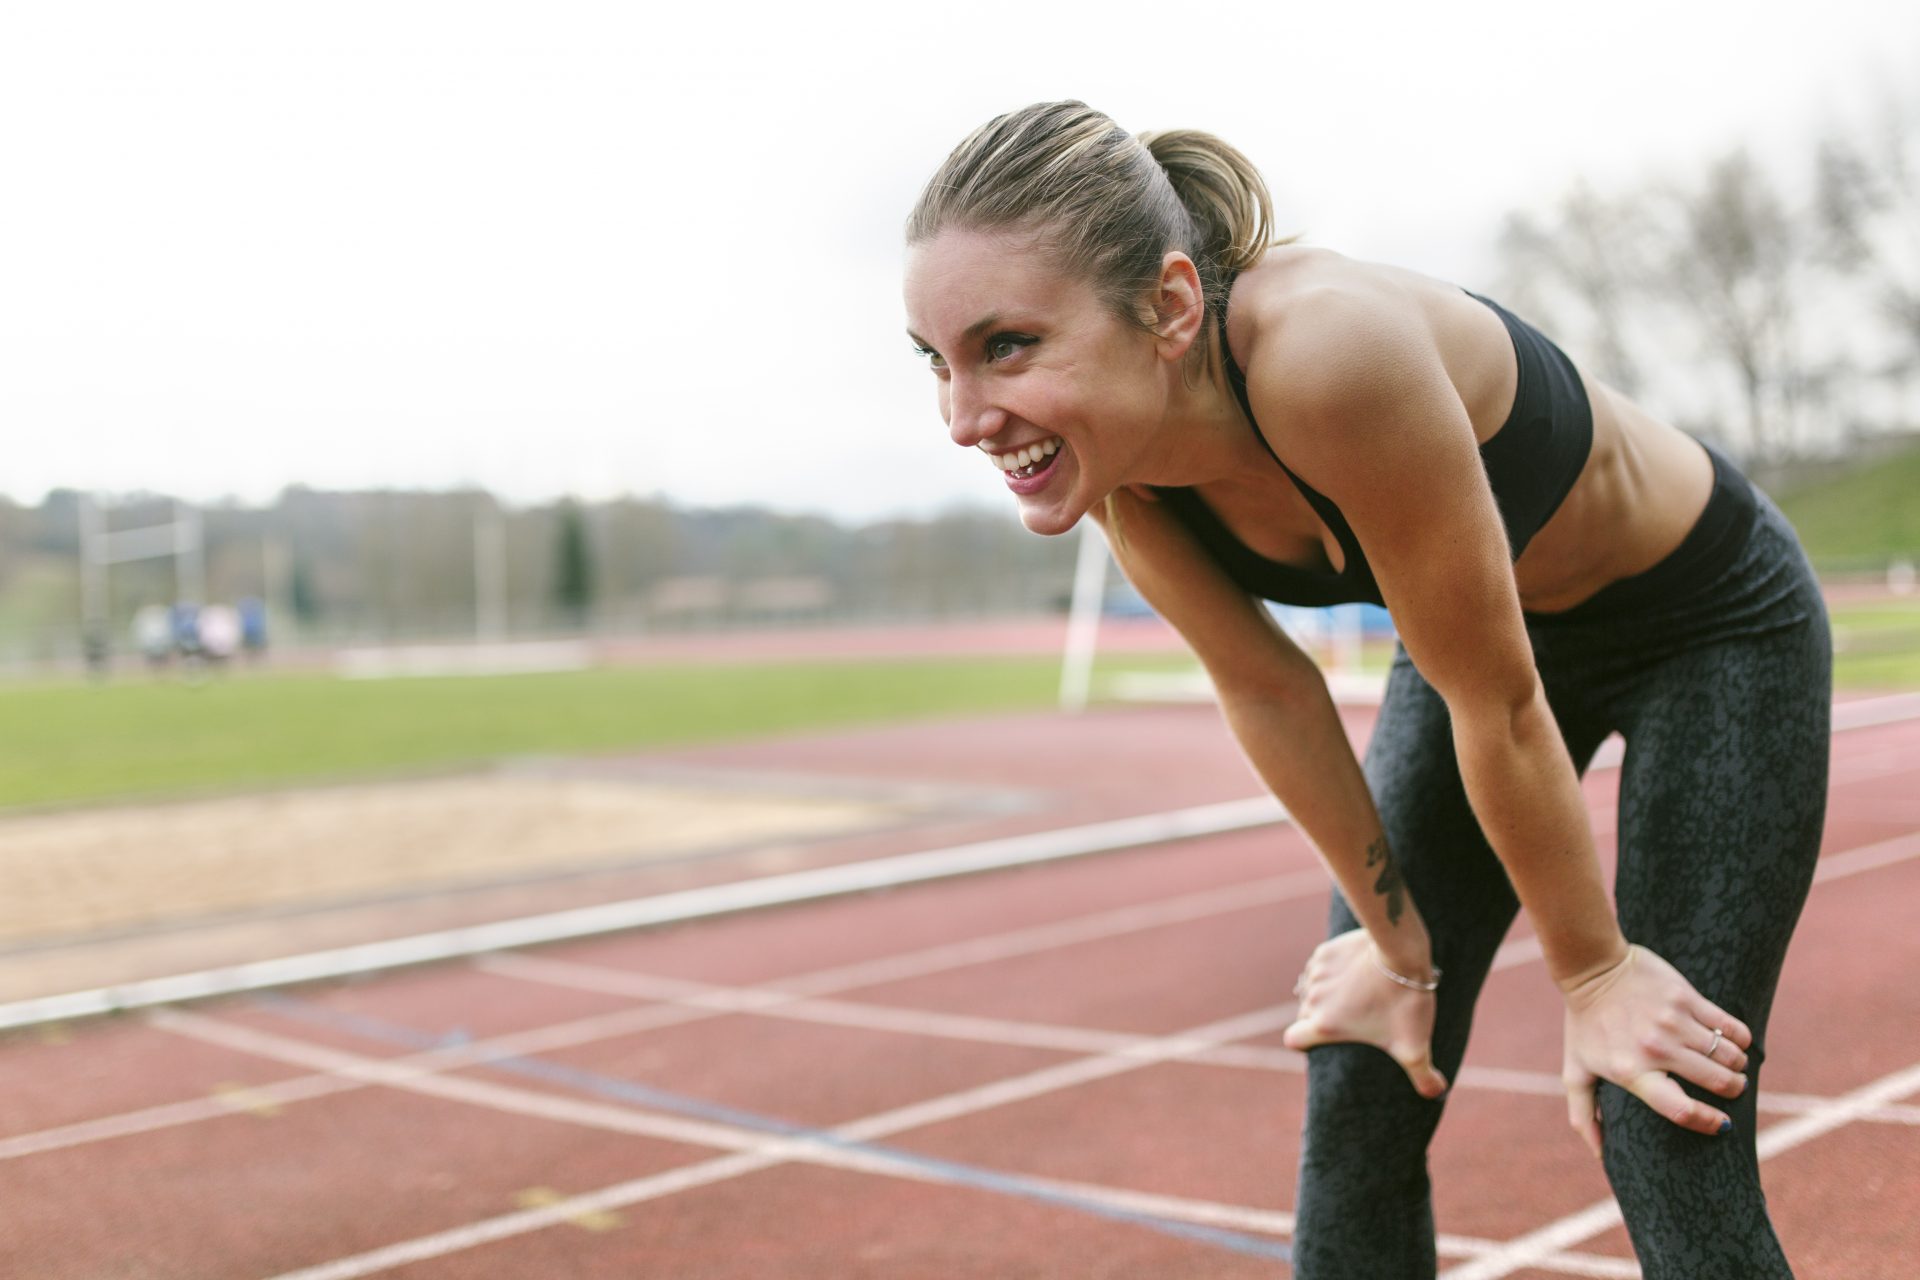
419, 386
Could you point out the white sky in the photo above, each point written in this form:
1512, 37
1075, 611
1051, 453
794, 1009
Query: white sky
557, 247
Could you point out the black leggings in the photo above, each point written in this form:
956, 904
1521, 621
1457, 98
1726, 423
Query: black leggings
1715, 666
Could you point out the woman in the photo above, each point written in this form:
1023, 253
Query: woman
1107, 318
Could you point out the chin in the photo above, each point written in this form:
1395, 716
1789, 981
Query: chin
1050, 521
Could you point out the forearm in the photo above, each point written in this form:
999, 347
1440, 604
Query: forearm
1526, 796
1298, 746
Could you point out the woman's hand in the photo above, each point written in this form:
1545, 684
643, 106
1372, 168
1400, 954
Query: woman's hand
1345, 998
1634, 1023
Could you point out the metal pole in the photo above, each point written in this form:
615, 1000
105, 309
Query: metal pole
1083, 619
190, 574
489, 572
93, 567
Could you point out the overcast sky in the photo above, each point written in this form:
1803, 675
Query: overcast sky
551, 248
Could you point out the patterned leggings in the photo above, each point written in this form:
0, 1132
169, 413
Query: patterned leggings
1715, 666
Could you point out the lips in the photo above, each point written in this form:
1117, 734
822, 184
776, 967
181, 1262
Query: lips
1035, 475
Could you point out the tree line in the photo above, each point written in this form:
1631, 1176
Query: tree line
1772, 308
390, 566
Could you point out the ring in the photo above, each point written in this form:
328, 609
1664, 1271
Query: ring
1718, 1032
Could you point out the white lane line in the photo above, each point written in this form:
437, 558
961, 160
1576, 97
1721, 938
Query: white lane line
752, 1151
756, 1150
669, 908
1530, 1249
1869, 857
1868, 713
1841, 1111
168, 1115
693, 904
1119, 922
976, 1029
1027, 941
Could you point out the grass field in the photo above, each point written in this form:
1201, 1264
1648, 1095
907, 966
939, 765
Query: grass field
1861, 519
69, 743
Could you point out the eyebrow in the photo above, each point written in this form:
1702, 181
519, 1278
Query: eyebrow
974, 330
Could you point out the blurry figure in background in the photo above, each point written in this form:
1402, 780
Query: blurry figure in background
186, 636
95, 650
219, 633
153, 635
253, 627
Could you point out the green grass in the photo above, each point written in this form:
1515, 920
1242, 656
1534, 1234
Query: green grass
72, 743
1877, 646
1863, 518
63, 743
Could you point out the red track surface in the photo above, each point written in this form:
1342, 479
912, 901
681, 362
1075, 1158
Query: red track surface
1032, 1073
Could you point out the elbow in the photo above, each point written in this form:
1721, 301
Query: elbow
1285, 680
1512, 709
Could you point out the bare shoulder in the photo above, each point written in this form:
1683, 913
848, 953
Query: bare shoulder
1330, 340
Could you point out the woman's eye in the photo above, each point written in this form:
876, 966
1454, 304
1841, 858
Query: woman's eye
932, 357
1002, 346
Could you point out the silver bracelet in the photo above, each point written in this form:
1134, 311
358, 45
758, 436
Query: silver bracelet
1408, 983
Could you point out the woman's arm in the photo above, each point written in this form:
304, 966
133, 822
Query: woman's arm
1276, 702
1372, 420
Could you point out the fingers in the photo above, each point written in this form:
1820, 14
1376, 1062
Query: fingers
1737, 1033
1717, 1065
1583, 1111
1658, 1090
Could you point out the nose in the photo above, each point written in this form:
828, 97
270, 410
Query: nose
971, 416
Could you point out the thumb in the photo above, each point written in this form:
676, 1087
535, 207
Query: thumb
1423, 1075
1304, 1034
1581, 1112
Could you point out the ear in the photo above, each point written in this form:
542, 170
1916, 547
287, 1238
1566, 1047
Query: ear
1179, 310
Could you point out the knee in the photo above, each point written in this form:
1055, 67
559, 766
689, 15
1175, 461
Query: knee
1364, 1120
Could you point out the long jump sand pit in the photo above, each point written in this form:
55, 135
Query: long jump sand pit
101, 872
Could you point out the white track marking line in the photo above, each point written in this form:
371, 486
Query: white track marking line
1014, 1033
1030, 940
1843, 1110
760, 1151
752, 1151
1868, 713
1869, 857
1015, 942
799, 886
1190, 907
1528, 1250
692, 904
168, 1116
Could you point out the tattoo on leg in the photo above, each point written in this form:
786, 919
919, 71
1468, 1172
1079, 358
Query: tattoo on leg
1389, 885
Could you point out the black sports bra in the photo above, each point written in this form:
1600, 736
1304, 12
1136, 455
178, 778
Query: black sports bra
1532, 462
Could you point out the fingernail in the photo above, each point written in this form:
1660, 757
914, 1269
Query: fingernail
1726, 1127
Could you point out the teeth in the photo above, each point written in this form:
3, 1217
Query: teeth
1026, 457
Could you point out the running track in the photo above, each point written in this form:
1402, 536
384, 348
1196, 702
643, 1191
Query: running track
1068, 1069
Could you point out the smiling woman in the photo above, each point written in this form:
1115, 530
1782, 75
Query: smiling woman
1108, 318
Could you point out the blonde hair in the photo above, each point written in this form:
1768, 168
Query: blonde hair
1107, 204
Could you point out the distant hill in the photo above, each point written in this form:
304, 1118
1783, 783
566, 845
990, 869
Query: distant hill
1863, 517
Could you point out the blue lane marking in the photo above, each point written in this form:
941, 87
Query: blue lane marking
590, 1082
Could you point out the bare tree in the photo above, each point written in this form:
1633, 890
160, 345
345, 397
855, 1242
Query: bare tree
1593, 250
1734, 257
1867, 207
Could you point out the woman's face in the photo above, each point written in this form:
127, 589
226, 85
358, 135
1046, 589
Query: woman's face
1025, 357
